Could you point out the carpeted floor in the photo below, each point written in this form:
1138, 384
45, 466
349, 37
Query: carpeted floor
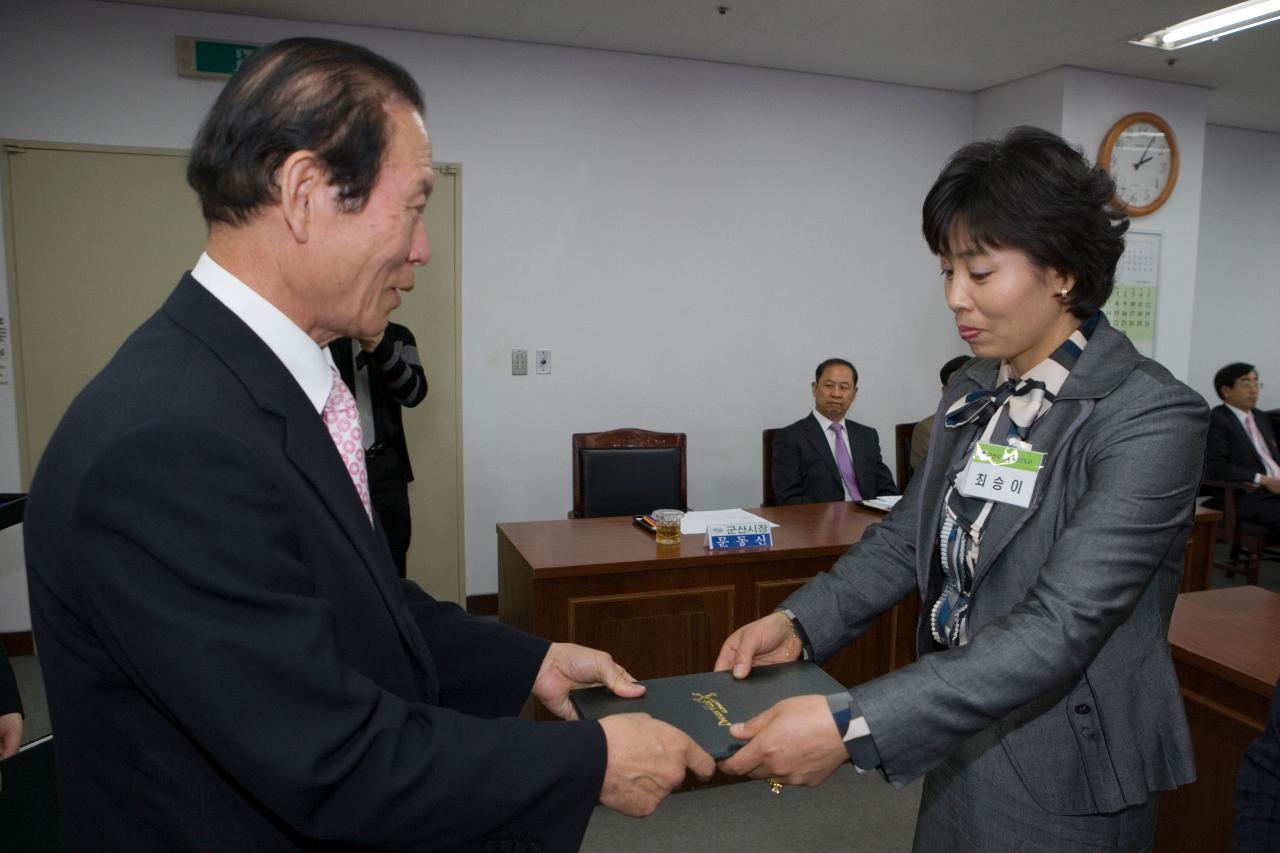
850, 811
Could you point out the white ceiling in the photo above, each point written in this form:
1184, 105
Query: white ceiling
961, 45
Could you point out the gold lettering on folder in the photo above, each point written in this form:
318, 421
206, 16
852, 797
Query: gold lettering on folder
712, 704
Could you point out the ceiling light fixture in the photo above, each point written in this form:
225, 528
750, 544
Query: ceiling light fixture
1214, 25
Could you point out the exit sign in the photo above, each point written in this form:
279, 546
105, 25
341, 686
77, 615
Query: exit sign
211, 59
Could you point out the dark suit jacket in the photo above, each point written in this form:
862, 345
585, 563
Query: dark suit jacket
1229, 454
804, 468
385, 402
231, 662
1068, 665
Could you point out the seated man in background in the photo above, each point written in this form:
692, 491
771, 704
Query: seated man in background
1242, 445
823, 456
924, 428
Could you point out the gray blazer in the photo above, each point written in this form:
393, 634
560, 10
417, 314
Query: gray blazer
1069, 656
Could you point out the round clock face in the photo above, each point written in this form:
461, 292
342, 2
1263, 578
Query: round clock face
1142, 165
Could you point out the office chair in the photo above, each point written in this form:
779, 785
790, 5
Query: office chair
628, 472
766, 455
1249, 543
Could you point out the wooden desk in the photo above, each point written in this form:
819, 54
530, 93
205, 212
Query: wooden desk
1226, 649
666, 610
662, 611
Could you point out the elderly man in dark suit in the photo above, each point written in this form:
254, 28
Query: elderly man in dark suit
231, 661
825, 457
1242, 445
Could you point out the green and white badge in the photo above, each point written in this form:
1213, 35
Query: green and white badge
1003, 474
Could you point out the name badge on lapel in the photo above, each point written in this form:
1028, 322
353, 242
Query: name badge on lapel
1003, 474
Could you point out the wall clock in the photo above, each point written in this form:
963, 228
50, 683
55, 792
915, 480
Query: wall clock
1141, 155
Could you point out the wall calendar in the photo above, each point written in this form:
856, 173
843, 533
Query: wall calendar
1132, 306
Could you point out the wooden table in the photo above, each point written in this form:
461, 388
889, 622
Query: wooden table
661, 611
1226, 649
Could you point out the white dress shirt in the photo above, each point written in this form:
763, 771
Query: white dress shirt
309, 364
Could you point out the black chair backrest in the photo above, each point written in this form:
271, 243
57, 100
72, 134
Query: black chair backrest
902, 453
629, 480
766, 461
621, 484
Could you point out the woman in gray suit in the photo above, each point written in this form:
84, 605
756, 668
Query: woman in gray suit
1045, 535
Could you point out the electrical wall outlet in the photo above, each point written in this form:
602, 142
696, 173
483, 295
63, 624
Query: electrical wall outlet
542, 361
519, 362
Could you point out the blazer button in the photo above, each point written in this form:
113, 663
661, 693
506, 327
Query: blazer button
1087, 732
1083, 709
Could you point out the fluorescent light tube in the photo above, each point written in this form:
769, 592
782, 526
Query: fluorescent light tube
1214, 25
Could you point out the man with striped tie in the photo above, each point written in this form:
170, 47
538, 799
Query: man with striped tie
385, 375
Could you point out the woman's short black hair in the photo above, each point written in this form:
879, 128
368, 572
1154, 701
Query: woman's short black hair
1033, 192
299, 94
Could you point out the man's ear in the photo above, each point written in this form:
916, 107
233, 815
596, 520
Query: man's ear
300, 180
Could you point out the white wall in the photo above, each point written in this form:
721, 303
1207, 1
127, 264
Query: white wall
1036, 100
777, 212
1237, 308
1093, 103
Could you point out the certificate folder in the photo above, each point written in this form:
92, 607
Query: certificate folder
704, 705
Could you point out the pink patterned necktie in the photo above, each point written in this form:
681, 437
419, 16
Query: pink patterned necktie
1255, 435
343, 420
845, 464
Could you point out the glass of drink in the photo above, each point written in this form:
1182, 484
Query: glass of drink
668, 521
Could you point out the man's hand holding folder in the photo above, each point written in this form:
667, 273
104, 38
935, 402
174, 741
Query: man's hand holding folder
647, 761
647, 758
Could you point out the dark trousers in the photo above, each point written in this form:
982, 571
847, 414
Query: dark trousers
1262, 507
389, 494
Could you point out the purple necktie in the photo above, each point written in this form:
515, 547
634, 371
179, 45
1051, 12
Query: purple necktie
845, 464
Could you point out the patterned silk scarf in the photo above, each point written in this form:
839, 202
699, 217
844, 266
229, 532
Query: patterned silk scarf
1011, 408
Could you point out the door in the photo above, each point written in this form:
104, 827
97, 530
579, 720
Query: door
98, 239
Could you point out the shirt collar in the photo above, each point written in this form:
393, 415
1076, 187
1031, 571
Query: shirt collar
1239, 413
823, 420
310, 365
